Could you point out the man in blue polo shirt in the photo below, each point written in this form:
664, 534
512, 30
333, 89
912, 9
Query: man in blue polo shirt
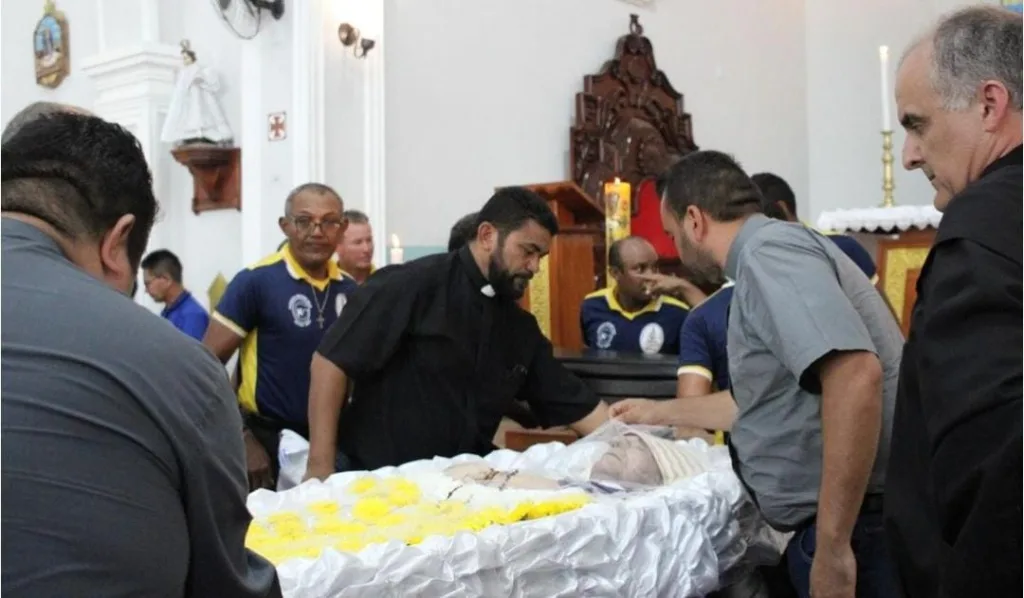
625, 317
780, 203
276, 313
161, 276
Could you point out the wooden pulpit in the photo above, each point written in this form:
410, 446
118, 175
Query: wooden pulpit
574, 266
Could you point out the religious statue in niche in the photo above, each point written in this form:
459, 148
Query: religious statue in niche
195, 115
51, 47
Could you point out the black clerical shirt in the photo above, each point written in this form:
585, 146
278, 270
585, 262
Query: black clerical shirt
953, 494
436, 361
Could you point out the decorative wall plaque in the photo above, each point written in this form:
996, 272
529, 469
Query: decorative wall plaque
52, 48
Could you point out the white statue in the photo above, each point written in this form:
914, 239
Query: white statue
195, 115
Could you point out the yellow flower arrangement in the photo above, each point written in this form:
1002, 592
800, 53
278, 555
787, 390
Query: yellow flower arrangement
386, 510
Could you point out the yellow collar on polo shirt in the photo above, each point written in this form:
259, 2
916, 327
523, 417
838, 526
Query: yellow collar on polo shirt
299, 273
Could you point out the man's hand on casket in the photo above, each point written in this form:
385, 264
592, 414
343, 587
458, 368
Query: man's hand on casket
257, 463
640, 411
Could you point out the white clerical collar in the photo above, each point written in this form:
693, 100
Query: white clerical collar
488, 290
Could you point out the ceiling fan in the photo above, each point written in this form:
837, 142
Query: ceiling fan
243, 17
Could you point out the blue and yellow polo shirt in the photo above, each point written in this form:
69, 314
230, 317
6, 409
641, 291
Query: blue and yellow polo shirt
652, 329
853, 250
281, 313
856, 252
702, 340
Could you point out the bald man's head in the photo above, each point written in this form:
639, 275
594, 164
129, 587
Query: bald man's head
35, 110
629, 259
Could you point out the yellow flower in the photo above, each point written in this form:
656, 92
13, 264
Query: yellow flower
390, 520
363, 485
338, 527
370, 509
323, 507
284, 517
350, 544
521, 511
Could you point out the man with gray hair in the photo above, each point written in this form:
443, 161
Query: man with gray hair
953, 496
355, 247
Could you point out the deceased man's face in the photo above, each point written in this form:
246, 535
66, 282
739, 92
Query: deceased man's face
628, 460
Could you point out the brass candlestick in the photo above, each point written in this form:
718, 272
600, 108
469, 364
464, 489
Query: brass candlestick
887, 183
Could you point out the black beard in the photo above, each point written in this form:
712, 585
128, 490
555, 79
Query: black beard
504, 283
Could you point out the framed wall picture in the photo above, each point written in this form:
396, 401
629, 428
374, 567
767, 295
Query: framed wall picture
51, 46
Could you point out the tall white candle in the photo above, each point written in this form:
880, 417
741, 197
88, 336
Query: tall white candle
397, 254
883, 57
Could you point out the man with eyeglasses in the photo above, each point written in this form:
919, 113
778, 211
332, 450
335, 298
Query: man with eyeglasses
276, 313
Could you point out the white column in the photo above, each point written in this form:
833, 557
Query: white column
306, 120
374, 192
133, 88
254, 136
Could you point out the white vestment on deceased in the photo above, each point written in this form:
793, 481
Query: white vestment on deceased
195, 111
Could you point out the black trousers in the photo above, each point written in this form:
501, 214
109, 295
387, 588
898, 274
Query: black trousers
267, 431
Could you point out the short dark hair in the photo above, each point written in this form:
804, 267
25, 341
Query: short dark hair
512, 207
318, 188
775, 191
163, 263
32, 112
713, 182
356, 217
615, 250
464, 231
79, 174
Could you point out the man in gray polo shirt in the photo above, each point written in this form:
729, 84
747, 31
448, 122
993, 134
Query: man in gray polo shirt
813, 358
123, 471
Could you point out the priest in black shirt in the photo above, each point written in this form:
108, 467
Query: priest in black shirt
953, 494
438, 348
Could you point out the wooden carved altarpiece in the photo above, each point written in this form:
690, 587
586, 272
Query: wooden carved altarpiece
630, 123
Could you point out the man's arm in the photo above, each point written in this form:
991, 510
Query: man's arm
851, 421
236, 315
360, 343
591, 421
327, 386
673, 286
716, 411
215, 492
693, 385
696, 364
970, 342
556, 396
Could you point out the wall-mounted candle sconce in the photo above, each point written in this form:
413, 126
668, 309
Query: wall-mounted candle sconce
350, 38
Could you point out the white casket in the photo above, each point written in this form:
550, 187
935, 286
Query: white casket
672, 540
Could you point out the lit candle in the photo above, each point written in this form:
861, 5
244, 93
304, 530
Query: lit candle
883, 57
616, 212
397, 253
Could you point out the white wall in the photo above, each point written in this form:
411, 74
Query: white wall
844, 113
208, 243
481, 94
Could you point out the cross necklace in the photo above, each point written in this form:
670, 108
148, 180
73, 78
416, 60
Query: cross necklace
320, 308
